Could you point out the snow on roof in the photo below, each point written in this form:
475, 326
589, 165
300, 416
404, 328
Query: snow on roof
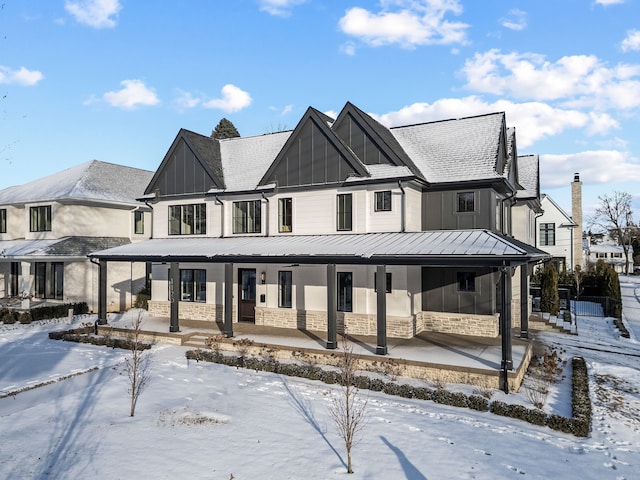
454, 150
93, 180
245, 160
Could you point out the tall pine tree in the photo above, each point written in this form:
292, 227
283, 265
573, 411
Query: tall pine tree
225, 129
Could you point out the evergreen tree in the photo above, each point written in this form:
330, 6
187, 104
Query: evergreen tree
225, 129
549, 299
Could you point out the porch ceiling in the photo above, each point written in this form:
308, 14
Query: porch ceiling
479, 248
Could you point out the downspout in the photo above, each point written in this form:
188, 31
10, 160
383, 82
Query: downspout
219, 202
403, 207
502, 214
266, 229
95, 324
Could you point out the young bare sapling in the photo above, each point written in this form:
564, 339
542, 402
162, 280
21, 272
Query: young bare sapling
347, 409
138, 363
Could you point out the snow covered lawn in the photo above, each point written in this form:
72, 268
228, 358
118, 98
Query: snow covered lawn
199, 420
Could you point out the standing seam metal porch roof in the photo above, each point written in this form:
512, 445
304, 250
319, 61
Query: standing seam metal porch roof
435, 248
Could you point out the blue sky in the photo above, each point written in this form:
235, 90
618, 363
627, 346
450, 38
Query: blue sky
115, 80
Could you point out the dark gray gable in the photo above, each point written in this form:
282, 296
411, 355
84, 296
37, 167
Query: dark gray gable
191, 166
372, 143
313, 155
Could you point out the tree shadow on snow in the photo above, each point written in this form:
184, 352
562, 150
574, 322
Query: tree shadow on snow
305, 409
409, 469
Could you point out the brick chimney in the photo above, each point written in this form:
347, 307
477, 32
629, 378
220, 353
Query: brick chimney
576, 215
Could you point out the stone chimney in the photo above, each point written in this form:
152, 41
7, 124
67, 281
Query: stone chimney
576, 215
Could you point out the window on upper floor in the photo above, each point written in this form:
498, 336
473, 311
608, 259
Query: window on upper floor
601, 254
285, 288
138, 222
193, 285
345, 292
466, 202
547, 234
382, 201
285, 215
344, 212
40, 218
247, 216
466, 281
188, 219
3, 220
616, 255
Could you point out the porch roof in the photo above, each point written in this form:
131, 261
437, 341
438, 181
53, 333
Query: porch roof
57, 247
479, 248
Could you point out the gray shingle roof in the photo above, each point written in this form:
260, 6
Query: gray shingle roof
60, 247
93, 180
528, 176
454, 150
245, 160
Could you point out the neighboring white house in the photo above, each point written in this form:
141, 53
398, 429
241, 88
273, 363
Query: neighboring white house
611, 254
48, 226
555, 234
343, 224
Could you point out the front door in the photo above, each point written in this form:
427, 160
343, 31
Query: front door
247, 294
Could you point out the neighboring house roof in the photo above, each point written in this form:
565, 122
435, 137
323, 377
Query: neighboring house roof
429, 248
59, 247
569, 221
89, 181
529, 176
606, 248
459, 150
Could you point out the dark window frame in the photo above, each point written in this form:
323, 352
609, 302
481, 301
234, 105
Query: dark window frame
196, 281
285, 215
138, 222
466, 202
382, 201
3, 220
285, 289
375, 281
547, 234
40, 218
188, 219
344, 285
344, 212
466, 282
247, 216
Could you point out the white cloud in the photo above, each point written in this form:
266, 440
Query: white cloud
516, 19
621, 167
22, 76
577, 80
134, 93
94, 13
286, 110
606, 3
279, 8
233, 99
534, 121
407, 23
631, 42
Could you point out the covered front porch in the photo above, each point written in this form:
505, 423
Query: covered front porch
440, 357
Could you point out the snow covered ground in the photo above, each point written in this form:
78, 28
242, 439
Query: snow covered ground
206, 421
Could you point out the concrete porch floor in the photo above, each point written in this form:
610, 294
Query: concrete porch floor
451, 358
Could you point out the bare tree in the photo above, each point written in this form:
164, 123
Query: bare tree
348, 410
137, 364
614, 215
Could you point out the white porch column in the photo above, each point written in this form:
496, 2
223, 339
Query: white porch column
25, 285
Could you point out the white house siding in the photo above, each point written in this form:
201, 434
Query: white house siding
563, 246
15, 223
413, 214
93, 221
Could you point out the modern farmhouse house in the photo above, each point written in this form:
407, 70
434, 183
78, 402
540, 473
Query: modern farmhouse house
48, 226
342, 225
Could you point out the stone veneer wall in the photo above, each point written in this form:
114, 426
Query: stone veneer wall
357, 323
459, 323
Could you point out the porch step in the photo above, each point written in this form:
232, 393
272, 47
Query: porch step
196, 340
554, 324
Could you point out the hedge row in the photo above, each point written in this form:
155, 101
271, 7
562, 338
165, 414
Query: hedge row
579, 425
82, 335
8, 316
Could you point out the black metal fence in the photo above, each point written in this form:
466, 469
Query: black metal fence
586, 305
